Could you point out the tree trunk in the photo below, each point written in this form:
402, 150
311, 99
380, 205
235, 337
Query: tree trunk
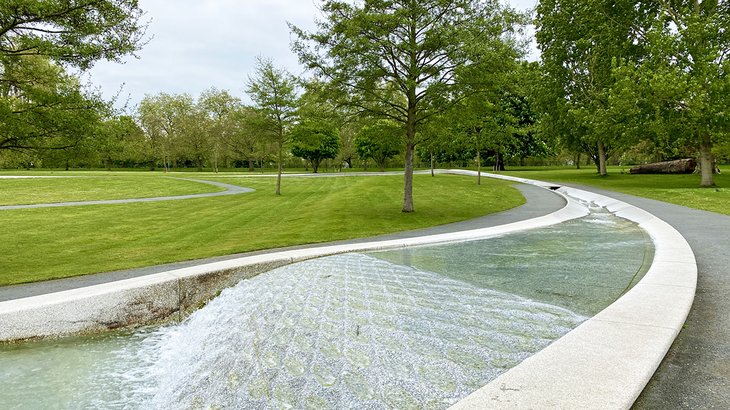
498, 162
679, 166
577, 160
479, 166
408, 179
479, 157
410, 145
707, 164
433, 173
279, 169
602, 159
251, 164
315, 166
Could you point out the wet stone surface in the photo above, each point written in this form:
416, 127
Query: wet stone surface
347, 331
583, 265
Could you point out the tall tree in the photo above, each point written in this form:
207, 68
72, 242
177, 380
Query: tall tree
687, 74
400, 59
112, 137
319, 104
274, 91
166, 119
579, 42
219, 106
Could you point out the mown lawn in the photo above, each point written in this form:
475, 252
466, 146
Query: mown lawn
93, 187
677, 189
41, 244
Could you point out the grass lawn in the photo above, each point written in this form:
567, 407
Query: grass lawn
91, 188
41, 244
677, 189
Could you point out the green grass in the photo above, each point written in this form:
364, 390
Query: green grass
676, 189
91, 188
41, 244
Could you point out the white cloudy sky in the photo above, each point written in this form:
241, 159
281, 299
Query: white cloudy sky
198, 44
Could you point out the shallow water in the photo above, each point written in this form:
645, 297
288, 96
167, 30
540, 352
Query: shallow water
582, 265
415, 328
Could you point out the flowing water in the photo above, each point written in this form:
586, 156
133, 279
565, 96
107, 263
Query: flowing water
412, 328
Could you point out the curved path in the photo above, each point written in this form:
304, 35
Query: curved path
229, 190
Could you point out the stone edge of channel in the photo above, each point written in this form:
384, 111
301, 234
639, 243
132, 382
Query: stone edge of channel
606, 361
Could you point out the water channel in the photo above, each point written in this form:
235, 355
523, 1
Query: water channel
419, 327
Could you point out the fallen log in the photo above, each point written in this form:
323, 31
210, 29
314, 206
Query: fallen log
679, 166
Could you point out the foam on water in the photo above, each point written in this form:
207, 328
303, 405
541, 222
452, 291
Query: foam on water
341, 331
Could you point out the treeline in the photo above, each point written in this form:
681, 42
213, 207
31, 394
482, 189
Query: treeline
216, 131
389, 83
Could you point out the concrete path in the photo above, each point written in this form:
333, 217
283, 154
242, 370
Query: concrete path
229, 190
539, 202
695, 374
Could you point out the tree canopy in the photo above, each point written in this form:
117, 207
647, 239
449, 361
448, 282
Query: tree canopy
406, 60
274, 93
74, 32
41, 106
315, 141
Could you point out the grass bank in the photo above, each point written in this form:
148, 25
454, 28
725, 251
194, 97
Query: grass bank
676, 189
42, 244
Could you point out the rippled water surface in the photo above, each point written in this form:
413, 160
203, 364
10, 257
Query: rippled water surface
415, 328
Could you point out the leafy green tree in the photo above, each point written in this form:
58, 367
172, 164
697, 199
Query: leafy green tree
401, 59
75, 32
41, 106
135, 146
274, 91
194, 142
579, 42
115, 139
315, 141
684, 77
438, 137
379, 141
218, 106
164, 118
319, 103
244, 139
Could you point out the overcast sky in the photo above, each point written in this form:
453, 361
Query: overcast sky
198, 44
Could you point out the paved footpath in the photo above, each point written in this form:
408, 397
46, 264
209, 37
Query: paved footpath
229, 190
695, 374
